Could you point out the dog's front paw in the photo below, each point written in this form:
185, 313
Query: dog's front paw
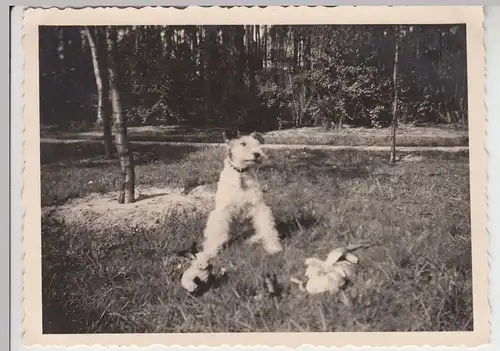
189, 285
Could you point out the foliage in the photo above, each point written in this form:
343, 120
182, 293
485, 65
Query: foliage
262, 76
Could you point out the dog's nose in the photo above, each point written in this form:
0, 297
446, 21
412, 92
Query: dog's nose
256, 154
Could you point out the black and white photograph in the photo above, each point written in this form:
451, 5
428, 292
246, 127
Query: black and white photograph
255, 178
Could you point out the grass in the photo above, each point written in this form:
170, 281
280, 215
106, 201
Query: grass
126, 280
407, 136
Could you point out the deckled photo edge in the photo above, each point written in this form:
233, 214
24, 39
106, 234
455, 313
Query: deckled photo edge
473, 16
30, 191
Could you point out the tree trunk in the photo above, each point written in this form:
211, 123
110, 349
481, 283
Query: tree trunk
227, 46
281, 50
60, 44
126, 190
103, 119
274, 41
240, 52
97, 73
210, 64
194, 43
203, 73
169, 41
395, 102
107, 110
307, 52
264, 46
137, 39
295, 49
256, 43
250, 56
83, 40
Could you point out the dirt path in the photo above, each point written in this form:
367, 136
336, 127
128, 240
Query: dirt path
450, 149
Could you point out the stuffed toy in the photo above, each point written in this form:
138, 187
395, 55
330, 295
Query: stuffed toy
331, 274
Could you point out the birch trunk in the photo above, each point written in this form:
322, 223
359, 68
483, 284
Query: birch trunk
126, 191
103, 119
395, 102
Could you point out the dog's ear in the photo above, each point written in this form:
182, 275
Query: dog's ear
258, 136
230, 134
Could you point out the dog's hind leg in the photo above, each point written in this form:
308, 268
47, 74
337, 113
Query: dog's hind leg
265, 229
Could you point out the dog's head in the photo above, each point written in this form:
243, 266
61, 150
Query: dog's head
244, 151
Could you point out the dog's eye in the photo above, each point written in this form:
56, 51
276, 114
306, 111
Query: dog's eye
243, 144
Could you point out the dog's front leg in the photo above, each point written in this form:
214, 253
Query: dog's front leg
216, 233
265, 229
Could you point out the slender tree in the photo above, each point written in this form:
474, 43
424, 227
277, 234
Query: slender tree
395, 102
240, 53
127, 185
296, 44
249, 31
274, 41
103, 118
264, 45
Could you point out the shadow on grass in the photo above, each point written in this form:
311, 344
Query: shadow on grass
287, 227
315, 164
242, 229
60, 316
178, 134
93, 154
143, 197
214, 282
57, 318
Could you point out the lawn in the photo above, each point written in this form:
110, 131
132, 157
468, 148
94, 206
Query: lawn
407, 135
119, 278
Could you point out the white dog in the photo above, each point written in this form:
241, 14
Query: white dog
238, 193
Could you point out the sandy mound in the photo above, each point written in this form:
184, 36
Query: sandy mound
151, 205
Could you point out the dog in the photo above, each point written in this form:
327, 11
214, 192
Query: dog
239, 193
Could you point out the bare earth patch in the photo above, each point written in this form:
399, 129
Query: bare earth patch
152, 205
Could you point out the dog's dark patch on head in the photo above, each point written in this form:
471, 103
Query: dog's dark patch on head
258, 136
230, 134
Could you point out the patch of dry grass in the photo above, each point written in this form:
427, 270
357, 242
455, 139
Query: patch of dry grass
127, 279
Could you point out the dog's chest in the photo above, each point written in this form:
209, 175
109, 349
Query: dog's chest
247, 188
248, 183
240, 188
